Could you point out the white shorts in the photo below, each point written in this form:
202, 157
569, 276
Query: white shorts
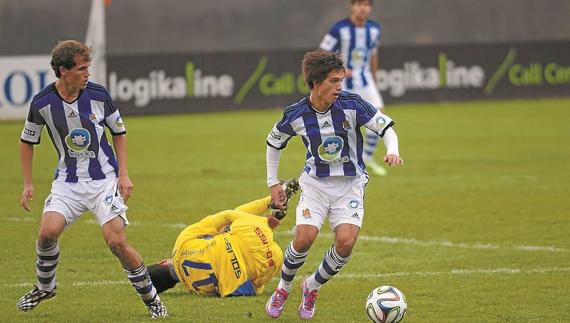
73, 199
370, 94
341, 198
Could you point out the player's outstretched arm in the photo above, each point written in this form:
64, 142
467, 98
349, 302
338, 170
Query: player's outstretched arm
392, 157
256, 207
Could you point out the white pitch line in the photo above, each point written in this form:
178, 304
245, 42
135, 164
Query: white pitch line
460, 272
453, 272
383, 239
443, 243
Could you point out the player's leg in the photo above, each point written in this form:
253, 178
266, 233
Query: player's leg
346, 214
61, 208
114, 235
311, 212
47, 257
110, 211
371, 94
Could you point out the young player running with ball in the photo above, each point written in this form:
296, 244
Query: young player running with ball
333, 178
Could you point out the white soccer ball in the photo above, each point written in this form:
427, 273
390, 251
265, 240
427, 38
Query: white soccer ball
386, 304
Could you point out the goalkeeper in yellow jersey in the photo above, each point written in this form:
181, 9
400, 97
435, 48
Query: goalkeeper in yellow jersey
230, 253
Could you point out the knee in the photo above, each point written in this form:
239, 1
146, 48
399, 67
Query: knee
303, 243
47, 238
345, 245
117, 245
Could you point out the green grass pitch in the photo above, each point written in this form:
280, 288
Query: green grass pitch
474, 228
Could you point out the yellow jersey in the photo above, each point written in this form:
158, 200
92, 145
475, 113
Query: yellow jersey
209, 261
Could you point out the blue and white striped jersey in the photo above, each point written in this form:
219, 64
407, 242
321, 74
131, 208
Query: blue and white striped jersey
333, 138
356, 46
77, 131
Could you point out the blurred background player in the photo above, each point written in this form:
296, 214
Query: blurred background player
333, 178
230, 253
88, 176
357, 39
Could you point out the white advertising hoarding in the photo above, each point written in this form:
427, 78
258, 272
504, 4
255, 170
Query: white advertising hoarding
22, 77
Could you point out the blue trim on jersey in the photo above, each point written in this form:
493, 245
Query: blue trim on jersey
314, 134
246, 289
60, 122
360, 149
84, 107
338, 117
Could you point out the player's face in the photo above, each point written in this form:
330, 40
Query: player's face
328, 90
361, 10
78, 75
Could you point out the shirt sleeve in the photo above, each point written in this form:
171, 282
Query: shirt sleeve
280, 134
331, 40
113, 118
379, 123
371, 118
33, 127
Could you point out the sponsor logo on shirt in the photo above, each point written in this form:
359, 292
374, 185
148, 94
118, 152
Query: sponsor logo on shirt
275, 135
119, 122
331, 148
233, 259
72, 114
29, 132
78, 140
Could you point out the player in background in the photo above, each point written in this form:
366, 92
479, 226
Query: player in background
88, 175
230, 253
357, 39
333, 178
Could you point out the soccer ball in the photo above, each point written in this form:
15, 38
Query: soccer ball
386, 304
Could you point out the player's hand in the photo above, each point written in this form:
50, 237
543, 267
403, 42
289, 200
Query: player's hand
27, 196
125, 187
273, 222
278, 196
393, 160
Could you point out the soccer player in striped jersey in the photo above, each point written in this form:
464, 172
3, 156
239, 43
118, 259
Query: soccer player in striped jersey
230, 253
357, 39
333, 179
88, 176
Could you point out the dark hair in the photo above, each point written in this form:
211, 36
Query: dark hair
318, 64
161, 277
352, 2
64, 53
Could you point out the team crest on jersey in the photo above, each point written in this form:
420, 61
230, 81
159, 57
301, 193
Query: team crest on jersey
357, 56
331, 148
92, 117
346, 125
307, 213
78, 140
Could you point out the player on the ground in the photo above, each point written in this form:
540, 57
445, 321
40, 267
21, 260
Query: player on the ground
333, 179
357, 39
230, 253
88, 175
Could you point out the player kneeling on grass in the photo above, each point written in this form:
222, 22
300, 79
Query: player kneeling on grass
230, 253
